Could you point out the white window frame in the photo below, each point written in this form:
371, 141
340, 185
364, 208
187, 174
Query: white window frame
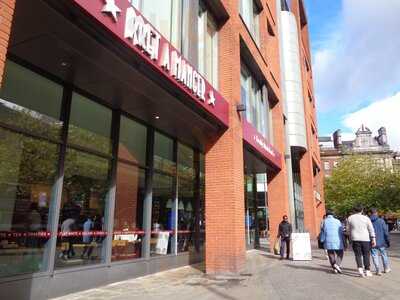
250, 16
205, 22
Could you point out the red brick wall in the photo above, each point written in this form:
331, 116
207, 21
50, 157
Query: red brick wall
225, 232
6, 14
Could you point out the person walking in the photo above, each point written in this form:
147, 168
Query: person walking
333, 239
284, 232
382, 242
362, 235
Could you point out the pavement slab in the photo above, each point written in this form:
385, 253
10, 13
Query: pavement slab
265, 277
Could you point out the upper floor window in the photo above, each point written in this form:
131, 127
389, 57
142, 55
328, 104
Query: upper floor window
164, 15
249, 12
254, 96
207, 46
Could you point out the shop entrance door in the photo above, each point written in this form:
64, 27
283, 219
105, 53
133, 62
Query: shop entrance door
256, 211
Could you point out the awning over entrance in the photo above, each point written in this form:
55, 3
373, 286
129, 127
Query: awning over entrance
62, 40
130, 28
259, 146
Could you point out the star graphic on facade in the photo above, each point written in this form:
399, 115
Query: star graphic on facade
211, 98
112, 8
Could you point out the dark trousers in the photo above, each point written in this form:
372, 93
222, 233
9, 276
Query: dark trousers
362, 252
285, 243
335, 257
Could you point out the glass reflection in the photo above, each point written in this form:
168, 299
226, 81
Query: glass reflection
28, 169
128, 217
85, 193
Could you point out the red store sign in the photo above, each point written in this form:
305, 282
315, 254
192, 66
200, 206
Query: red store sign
127, 24
258, 142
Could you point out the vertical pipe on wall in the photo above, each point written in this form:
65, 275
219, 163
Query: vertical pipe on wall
288, 158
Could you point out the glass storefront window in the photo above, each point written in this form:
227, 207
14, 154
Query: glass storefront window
163, 215
164, 154
30, 102
82, 225
128, 214
132, 141
207, 46
28, 168
186, 198
89, 124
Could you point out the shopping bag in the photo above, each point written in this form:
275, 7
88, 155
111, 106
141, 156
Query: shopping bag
277, 246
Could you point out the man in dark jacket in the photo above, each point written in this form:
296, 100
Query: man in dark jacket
284, 232
382, 242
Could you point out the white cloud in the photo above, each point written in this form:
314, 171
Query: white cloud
359, 59
384, 112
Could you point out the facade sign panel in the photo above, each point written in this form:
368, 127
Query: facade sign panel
131, 28
258, 142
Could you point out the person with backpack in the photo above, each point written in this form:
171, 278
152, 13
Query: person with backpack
333, 240
382, 242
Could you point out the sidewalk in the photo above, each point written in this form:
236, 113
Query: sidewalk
265, 278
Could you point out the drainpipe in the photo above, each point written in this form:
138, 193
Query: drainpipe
288, 155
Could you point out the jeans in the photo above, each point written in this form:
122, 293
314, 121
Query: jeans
335, 257
375, 258
285, 241
362, 249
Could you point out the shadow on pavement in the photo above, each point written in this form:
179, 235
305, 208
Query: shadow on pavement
326, 269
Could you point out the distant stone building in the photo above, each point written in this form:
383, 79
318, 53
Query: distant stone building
334, 148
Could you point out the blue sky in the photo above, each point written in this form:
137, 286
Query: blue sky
356, 65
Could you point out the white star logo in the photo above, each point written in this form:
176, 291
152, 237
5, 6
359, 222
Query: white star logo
111, 8
211, 98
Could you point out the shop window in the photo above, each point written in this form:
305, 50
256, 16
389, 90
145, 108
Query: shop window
255, 98
163, 215
164, 154
82, 228
186, 198
164, 206
207, 46
249, 12
327, 165
128, 213
164, 15
28, 168
202, 205
30, 102
132, 142
89, 125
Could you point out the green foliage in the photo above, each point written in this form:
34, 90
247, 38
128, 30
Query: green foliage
359, 179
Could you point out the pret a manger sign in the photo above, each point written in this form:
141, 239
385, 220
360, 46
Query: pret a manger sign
125, 21
146, 37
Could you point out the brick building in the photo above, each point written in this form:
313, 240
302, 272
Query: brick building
334, 148
138, 136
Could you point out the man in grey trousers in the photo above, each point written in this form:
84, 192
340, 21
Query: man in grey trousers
362, 235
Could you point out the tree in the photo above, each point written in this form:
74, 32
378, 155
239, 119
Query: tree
359, 179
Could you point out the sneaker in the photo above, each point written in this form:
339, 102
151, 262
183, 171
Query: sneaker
361, 272
337, 268
368, 273
335, 271
388, 270
378, 273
